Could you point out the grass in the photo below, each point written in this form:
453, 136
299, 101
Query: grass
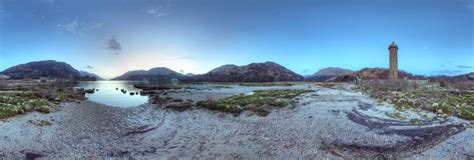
459, 105
35, 98
446, 99
396, 115
156, 86
259, 103
44, 123
269, 84
415, 121
180, 106
20, 103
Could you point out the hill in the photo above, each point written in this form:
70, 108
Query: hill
373, 73
92, 75
254, 72
328, 73
160, 74
47, 69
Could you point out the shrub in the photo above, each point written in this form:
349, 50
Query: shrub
442, 84
44, 109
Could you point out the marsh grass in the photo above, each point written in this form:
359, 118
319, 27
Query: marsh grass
35, 98
259, 103
180, 106
20, 103
158, 86
447, 99
269, 84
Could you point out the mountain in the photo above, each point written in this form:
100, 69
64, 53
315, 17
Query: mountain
160, 74
225, 68
470, 76
254, 72
189, 74
328, 73
453, 79
373, 73
48, 69
87, 74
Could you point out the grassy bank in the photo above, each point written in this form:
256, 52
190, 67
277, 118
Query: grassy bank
260, 103
444, 99
20, 103
41, 98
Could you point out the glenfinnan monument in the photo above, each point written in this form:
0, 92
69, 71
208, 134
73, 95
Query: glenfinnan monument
393, 48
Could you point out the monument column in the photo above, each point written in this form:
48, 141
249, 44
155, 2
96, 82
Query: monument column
393, 50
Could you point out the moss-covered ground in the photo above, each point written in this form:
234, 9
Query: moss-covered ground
22, 99
260, 103
443, 99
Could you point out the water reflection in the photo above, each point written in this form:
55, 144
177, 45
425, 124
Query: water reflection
114, 93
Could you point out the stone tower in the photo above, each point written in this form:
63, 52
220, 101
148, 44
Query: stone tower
393, 48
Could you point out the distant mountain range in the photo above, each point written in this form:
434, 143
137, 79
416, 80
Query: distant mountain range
47, 69
87, 74
160, 74
254, 72
328, 73
469, 76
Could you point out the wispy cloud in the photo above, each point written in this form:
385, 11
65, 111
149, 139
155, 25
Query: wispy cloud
113, 46
464, 67
161, 10
89, 67
77, 27
157, 12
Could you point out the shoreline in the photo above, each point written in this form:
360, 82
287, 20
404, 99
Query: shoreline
321, 122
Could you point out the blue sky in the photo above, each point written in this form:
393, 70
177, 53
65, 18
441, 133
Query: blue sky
110, 37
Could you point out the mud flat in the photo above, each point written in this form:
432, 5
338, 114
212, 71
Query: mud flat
327, 123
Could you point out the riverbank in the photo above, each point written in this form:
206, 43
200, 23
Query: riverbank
335, 123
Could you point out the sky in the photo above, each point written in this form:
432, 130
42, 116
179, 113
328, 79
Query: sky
111, 37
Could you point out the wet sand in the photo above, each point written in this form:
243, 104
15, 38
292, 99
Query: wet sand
327, 123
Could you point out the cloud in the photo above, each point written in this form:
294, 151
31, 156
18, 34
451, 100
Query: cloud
464, 67
89, 67
113, 46
71, 26
77, 27
182, 71
157, 12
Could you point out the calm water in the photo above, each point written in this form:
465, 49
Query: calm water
108, 94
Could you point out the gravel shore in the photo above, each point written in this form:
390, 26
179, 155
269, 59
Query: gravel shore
327, 123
